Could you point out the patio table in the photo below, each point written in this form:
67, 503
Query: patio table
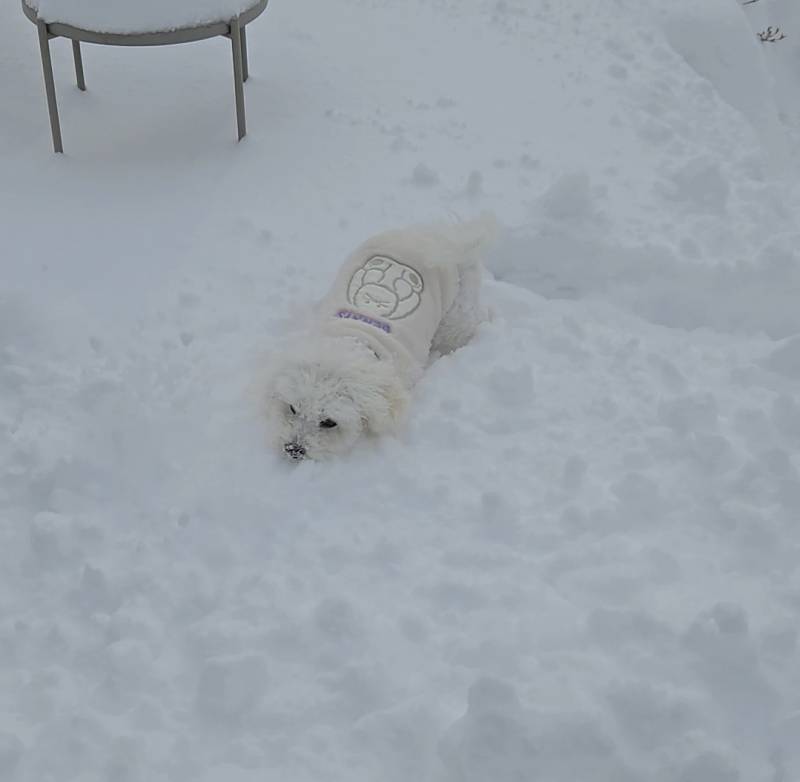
140, 23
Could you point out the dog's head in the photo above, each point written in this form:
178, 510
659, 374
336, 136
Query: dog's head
322, 397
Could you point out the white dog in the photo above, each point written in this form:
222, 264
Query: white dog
400, 299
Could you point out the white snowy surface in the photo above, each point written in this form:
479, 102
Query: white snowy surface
580, 560
138, 16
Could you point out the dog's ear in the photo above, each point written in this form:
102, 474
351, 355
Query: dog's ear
268, 387
382, 399
259, 391
396, 397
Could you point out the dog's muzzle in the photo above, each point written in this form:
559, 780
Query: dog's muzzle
294, 451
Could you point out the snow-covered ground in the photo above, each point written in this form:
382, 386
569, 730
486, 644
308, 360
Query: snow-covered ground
579, 563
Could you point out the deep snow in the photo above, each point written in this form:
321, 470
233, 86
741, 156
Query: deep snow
580, 559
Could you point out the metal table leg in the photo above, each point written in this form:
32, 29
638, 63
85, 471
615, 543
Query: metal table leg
76, 55
245, 64
49, 85
238, 81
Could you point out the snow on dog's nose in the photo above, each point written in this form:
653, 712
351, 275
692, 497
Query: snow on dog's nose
294, 451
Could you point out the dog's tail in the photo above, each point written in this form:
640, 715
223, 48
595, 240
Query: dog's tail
452, 243
474, 235
462, 240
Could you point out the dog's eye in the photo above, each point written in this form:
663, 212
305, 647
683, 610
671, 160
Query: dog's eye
328, 423
292, 410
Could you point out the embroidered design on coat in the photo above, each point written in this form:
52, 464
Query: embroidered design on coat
385, 288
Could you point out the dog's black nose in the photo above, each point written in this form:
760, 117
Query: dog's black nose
294, 450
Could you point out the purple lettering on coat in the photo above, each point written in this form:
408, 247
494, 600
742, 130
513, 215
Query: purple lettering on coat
378, 324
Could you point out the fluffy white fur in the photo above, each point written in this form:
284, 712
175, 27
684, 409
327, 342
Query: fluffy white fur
323, 379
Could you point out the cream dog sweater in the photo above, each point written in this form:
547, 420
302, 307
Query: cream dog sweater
392, 293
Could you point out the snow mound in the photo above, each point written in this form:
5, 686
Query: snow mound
665, 284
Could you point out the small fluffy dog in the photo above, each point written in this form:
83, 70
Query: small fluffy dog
402, 298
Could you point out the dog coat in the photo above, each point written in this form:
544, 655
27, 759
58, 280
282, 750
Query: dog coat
392, 294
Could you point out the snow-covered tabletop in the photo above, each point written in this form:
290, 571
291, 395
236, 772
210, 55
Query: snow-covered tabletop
138, 16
